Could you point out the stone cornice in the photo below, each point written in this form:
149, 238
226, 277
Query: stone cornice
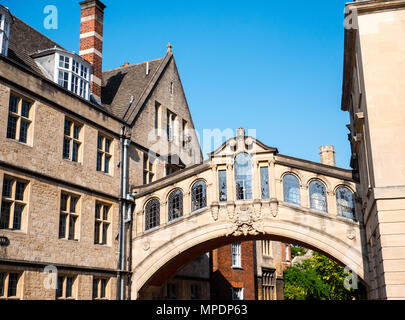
364, 7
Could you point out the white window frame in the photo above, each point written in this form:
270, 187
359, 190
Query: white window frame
236, 255
4, 33
83, 82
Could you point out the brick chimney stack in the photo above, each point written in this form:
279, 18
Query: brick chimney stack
91, 41
327, 154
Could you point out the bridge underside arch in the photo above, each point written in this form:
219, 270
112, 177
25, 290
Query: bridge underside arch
167, 257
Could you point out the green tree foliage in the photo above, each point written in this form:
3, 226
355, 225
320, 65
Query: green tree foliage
317, 278
297, 251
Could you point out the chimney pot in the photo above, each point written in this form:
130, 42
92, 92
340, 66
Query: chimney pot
327, 154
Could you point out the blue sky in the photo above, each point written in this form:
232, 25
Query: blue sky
273, 66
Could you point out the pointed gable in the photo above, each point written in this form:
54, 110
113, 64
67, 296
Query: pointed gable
121, 84
241, 143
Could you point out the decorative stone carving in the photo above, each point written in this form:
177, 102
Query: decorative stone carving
350, 234
274, 207
215, 210
146, 245
245, 222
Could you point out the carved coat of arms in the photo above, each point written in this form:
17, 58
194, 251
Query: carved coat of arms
246, 222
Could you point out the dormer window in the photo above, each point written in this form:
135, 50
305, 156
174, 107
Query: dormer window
73, 75
67, 69
5, 20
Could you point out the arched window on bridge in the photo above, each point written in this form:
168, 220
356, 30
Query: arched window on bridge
317, 196
243, 177
291, 189
198, 195
345, 203
152, 214
175, 205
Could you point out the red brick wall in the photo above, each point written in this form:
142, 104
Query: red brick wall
224, 277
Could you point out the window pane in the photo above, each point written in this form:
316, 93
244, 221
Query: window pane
68, 126
13, 105
12, 284
345, 203
73, 203
11, 127
175, 205
19, 190
69, 287
7, 187
95, 288
59, 287
97, 232
243, 177
99, 161
198, 196
63, 202
317, 192
105, 212
107, 145
222, 185
264, 180
5, 215
103, 285
76, 132
66, 148
72, 227
291, 188
63, 79
152, 214
105, 233
25, 108
2, 283
75, 152
98, 210
18, 211
62, 226
100, 142
107, 164
23, 131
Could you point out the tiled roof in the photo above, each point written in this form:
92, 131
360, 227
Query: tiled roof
24, 41
119, 85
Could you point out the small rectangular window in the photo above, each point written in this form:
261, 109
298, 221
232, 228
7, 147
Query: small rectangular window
103, 153
72, 141
68, 217
222, 185
264, 180
100, 288
237, 293
9, 284
18, 124
13, 204
236, 255
102, 223
65, 287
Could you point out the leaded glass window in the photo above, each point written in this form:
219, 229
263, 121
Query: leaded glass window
175, 205
317, 195
264, 181
222, 186
198, 196
152, 214
291, 188
345, 203
243, 177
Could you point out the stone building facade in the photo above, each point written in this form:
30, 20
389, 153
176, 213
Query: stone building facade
373, 94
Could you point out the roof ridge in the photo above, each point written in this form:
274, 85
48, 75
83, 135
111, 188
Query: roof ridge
32, 28
132, 65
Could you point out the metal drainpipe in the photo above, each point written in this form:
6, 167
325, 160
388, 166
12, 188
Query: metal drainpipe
127, 142
120, 253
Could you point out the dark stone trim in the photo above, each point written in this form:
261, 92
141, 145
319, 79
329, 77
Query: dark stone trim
38, 264
56, 180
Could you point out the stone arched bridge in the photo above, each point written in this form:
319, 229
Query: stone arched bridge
265, 195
